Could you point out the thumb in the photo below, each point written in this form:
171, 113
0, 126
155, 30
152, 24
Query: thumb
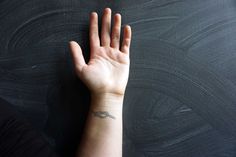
77, 55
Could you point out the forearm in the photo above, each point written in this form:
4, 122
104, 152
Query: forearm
103, 132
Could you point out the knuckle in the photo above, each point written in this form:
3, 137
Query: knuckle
94, 33
127, 41
105, 40
116, 34
116, 30
115, 37
94, 26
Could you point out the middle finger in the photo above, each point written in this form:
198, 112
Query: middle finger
106, 26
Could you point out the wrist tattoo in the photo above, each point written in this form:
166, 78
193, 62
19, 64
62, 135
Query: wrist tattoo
103, 114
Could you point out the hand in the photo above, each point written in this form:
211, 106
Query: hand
108, 68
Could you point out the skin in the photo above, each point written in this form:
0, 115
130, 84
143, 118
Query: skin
106, 75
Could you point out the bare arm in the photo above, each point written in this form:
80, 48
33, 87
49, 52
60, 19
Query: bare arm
106, 75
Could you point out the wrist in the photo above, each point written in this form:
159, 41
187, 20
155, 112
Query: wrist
107, 96
106, 101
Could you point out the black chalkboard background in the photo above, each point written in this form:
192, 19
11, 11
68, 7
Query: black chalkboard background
181, 95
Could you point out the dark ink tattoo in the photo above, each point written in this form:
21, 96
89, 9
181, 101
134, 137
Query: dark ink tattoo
103, 114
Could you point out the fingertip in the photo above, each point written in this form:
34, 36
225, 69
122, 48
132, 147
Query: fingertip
72, 42
117, 18
107, 10
93, 14
74, 47
128, 31
117, 15
128, 28
93, 17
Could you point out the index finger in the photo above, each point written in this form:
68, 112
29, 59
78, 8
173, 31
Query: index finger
93, 32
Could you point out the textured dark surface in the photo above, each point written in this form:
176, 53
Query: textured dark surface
181, 96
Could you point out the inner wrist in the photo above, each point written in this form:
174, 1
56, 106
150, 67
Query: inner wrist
107, 101
107, 96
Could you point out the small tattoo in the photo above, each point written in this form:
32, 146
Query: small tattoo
103, 114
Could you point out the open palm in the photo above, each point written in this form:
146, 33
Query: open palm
108, 68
